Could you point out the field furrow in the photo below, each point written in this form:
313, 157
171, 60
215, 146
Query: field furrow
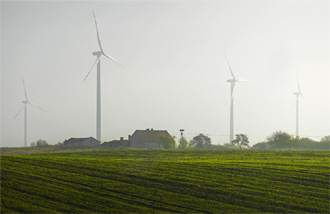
154, 181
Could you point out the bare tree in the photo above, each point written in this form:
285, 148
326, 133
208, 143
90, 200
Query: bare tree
241, 140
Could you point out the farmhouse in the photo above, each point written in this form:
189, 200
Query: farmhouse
147, 138
90, 141
117, 143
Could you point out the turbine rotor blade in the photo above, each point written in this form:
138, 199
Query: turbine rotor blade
97, 32
303, 96
19, 112
298, 84
25, 90
96, 61
232, 74
293, 104
114, 60
242, 80
34, 105
232, 90
299, 91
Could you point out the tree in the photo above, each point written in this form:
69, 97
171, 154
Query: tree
325, 143
183, 143
241, 140
166, 141
229, 145
325, 139
282, 140
59, 144
33, 144
41, 143
261, 146
279, 136
201, 141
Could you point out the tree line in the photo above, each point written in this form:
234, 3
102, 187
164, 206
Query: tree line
277, 140
282, 140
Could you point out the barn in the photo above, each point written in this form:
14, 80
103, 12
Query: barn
147, 138
117, 143
89, 141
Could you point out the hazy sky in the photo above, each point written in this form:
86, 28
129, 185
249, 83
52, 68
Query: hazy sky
177, 72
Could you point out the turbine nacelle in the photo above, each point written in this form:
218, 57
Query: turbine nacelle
232, 83
25, 102
232, 74
299, 91
100, 52
237, 80
97, 53
297, 94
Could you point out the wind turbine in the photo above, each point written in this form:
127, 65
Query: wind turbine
298, 93
232, 85
98, 54
25, 102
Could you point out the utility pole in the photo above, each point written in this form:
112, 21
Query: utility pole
181, 130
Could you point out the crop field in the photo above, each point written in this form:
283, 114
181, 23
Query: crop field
159, 181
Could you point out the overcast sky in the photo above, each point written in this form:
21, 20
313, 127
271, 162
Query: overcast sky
177, 73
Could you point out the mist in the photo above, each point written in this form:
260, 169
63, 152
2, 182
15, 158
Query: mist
176, 76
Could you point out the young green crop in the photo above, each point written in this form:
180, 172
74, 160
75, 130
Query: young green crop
166, 181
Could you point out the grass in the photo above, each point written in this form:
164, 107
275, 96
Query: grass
158, 181
51, 149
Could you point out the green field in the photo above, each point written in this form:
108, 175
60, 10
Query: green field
158, 181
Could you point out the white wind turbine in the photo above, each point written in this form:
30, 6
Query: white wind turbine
98, 87
232, 85
298, 93
25, 102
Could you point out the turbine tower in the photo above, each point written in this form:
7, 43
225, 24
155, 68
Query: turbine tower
297, 94
98, 55
25, 102
232, 85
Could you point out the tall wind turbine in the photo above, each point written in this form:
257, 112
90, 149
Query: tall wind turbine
232, 85
298, 93
25, 102
98, 54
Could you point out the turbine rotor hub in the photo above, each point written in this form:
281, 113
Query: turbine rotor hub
97, 53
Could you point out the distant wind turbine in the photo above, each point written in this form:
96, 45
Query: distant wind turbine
98, 87
232, 85
298, 93
25, 102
